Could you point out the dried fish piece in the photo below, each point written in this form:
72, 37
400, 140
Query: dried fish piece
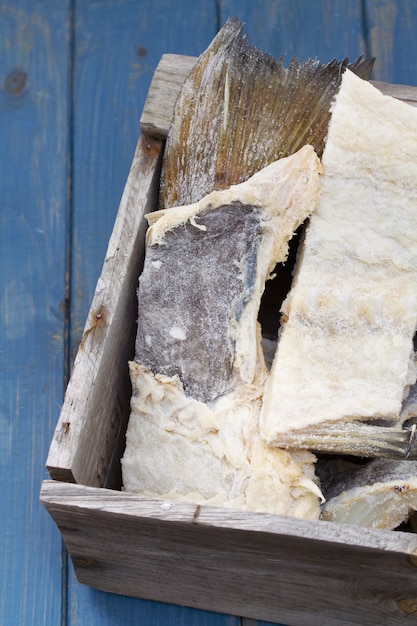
240, 109
346, 352
205, 270
380, 494
198, 379
178, 448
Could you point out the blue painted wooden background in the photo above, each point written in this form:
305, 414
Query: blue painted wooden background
73, 78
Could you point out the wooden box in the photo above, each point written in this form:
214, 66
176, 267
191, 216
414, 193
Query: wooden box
249, 564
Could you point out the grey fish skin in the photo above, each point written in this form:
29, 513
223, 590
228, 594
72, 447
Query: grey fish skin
205, 270
191, 288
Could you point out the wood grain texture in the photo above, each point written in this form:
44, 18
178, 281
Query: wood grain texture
34, 97
165, 86
236, 562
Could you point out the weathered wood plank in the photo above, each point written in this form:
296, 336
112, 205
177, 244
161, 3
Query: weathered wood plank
89, 436
166, 84
171, 73
406, 93
134, 505
236, 562
34, 97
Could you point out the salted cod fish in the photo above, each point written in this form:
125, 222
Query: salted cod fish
345, 352
199, 374
380, 494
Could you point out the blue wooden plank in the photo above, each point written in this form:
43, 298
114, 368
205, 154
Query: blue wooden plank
391, 31
323, 29
90, 606
117, 47
33, 182
335, 28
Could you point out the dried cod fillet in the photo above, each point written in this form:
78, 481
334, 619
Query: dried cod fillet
346, 351
205, 270
199, 375
381, 494
239, 110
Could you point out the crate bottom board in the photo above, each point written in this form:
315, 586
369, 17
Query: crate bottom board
242, 563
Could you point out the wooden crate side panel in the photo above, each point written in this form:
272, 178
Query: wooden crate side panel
208, 559
89, 436
34, 70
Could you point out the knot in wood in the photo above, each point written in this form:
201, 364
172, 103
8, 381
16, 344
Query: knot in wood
408, 606
15, 82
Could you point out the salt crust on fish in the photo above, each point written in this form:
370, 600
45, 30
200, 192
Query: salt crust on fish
346, 347
209, 449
